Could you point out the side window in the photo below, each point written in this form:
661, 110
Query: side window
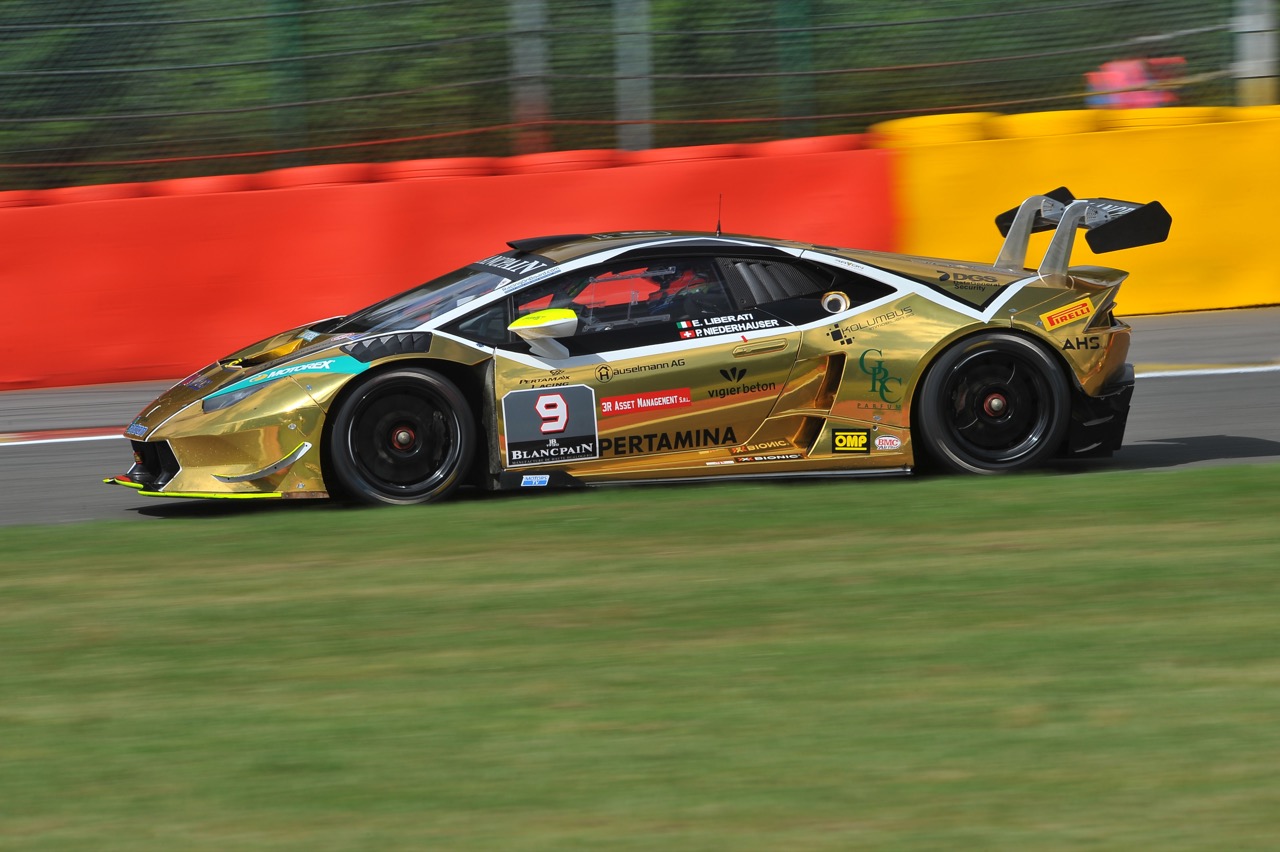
793, 291
488, 326
761, 282
633, 295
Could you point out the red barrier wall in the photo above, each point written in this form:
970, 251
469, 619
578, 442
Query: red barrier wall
129, 289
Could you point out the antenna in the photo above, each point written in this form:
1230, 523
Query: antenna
719, 207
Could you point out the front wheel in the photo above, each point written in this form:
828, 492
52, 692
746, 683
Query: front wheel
403, 436
993, 403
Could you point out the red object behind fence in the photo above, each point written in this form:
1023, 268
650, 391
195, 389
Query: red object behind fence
155, 287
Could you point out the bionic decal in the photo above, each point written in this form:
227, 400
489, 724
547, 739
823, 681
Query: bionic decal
755, 448
550, 425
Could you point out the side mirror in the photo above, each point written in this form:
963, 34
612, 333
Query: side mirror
541, 328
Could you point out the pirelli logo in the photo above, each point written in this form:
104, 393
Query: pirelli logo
1064, 315
851, 441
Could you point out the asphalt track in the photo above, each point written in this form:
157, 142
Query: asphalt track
1208, 393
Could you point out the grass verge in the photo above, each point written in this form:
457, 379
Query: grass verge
1047, 662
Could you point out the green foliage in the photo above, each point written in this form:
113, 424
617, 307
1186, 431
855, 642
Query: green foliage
172, 89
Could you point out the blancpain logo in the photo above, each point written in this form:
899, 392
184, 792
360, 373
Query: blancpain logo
310, 367
586, 448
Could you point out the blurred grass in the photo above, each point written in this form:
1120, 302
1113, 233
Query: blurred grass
1044, 662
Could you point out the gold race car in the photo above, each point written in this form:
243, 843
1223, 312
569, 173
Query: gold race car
661, 356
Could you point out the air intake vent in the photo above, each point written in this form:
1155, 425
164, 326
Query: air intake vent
373, 348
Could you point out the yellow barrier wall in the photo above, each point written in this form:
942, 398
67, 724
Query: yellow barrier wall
1220, 181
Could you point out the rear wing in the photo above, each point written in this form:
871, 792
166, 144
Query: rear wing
1111, 225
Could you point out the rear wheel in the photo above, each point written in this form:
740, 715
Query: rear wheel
993, 403
403, 436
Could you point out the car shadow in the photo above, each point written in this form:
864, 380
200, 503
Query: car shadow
1146, 455
224, 508
1172, 452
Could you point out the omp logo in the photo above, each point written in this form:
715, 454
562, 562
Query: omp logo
851, 441
734, 374
1066, 314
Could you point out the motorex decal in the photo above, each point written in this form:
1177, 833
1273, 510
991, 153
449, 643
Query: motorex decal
341, 364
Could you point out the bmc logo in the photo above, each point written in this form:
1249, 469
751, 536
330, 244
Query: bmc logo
851, 441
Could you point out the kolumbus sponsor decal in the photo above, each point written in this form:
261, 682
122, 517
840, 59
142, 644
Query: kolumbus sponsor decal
843, 334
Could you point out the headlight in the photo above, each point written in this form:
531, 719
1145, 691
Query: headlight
230, 398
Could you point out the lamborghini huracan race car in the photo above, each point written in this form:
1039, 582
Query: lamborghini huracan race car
660, 356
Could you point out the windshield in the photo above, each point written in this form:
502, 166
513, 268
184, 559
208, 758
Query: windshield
414, 307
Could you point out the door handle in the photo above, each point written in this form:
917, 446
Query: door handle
760, 347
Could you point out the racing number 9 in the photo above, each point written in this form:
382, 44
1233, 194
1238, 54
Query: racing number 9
554, 412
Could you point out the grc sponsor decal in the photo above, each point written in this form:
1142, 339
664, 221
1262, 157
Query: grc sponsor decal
341, 365
1069, 313
885, 386
550, 425
649, 401
856, 441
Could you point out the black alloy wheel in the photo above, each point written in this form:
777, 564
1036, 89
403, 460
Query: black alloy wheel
402, 436
993, 403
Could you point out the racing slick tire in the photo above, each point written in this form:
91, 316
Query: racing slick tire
402, 436
993, 403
